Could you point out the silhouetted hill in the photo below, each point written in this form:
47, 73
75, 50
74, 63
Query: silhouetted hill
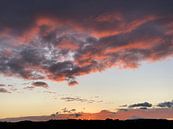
90, 124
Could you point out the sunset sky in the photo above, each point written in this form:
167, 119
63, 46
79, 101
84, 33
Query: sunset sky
71, 56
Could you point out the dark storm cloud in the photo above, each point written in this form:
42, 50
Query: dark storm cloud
141, 105
61, 39
3, 90
167, 104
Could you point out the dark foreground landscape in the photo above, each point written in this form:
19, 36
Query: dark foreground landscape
90, 124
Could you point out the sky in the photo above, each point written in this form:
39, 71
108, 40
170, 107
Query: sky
98, 57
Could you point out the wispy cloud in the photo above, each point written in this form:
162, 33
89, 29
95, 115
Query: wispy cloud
65, 110
50, 92
79, 99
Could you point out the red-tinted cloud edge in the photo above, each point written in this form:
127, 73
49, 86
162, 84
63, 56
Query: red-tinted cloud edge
50, 43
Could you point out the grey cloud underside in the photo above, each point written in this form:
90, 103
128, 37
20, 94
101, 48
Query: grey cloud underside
44, 57
2, 85
3, 90
146, 105
37, 84
31, 60
167, 104
19, 14
41, 59
141, 105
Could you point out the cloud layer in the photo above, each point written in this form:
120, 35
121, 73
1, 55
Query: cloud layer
145, 110
61, 40
102, 115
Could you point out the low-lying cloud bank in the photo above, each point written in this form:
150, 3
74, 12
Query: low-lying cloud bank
145, 110
159, 113
61, 40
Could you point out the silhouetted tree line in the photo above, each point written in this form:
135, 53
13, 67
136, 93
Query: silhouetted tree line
90, 124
